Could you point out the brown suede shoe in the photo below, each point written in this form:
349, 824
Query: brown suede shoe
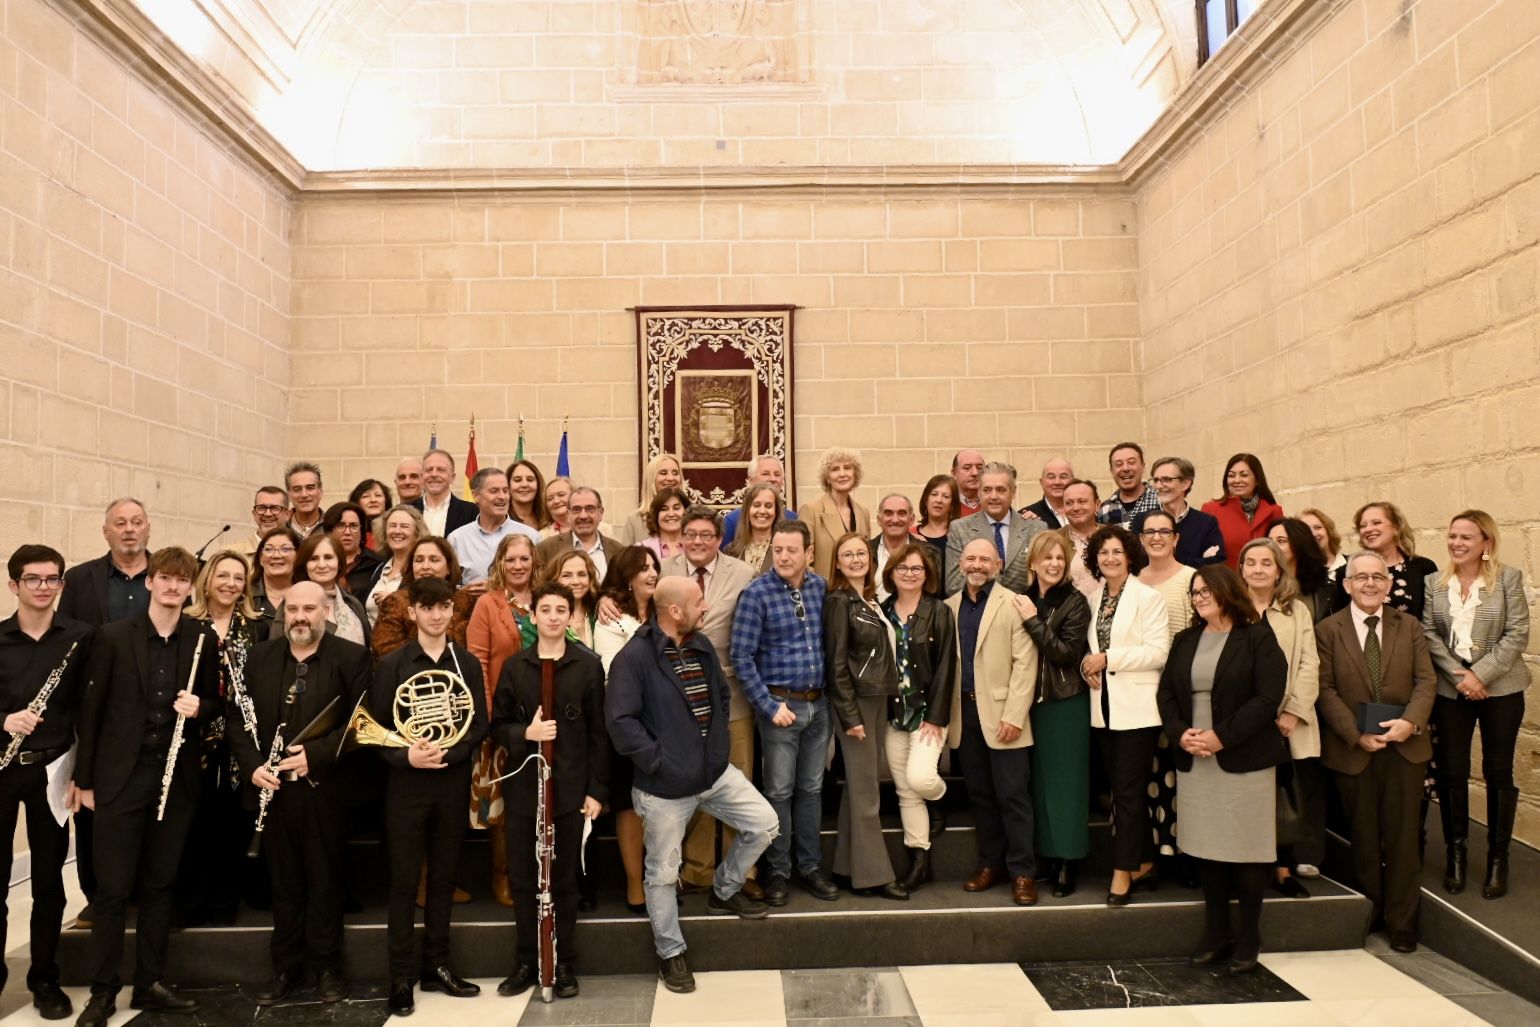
1024, 891
986, 878
752, 889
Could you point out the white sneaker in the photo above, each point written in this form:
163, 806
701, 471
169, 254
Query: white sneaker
1307, 870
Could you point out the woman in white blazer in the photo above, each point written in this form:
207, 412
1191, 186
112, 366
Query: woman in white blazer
1276, 596
1129, 641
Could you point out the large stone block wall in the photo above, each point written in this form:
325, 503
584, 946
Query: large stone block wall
144, 299
1339, 271
926, 325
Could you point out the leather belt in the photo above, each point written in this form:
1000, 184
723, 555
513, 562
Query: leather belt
27, 757
791, 693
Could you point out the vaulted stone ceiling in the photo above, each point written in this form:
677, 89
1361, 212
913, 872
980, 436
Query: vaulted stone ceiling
551, 84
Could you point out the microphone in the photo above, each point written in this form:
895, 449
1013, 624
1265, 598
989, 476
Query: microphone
201, 549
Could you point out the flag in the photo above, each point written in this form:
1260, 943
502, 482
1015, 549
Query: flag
470, 459
563, 469
433, 437
518, 454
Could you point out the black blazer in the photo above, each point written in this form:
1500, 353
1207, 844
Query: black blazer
112, 716
1249, 684
580, 755
85, 591
341, 668
858, 655
461, 512
1060, 633
1199, 541
362, 577
1043, 512
932, 655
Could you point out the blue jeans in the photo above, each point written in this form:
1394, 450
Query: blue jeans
733, 801
794, 761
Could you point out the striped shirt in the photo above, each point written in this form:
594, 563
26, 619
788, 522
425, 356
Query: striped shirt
697, 689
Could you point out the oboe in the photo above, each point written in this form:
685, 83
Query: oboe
38, 704
176, 736
266, 798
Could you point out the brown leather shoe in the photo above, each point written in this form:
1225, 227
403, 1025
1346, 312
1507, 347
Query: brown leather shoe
1024, 891
751, 889
986, 878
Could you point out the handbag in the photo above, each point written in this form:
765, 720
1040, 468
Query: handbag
1290, 818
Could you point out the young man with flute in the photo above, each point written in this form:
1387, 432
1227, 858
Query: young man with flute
150, 681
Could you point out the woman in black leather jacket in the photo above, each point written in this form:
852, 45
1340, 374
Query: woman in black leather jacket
1056, 615
925, 641
860, 675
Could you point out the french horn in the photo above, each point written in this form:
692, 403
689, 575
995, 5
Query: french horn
430, 706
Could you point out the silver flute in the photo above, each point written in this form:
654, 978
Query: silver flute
176, 736
38, 704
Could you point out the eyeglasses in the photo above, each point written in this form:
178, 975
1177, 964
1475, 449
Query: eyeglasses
699, 536
905, 568
1165, 479
1157, 533
796, 603
278, 551
298, 688
582, 509
268, 509
351, 529
35, 581
1202, 593
1364, 579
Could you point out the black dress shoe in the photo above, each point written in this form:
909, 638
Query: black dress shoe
1208, 957
639, 908
50, 1002
738, 905
776, 891
520, 981
675, 974
97, 1011
275, 990
1242, 966
401, 1002
566, 981
330, 985
1403, 941
819, 885
1291, 888
159, 998
442, 978
894, 890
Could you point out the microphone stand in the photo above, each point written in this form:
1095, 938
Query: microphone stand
201, 549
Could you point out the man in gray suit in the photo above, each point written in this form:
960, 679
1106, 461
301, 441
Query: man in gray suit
999, 523
721, 578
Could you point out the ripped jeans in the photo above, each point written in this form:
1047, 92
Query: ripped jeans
733, 801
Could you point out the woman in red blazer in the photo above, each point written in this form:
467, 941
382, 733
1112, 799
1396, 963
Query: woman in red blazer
1247, 507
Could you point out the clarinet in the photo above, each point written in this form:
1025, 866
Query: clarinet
176, 736
266, 798
237, 667
545, 841
38, 704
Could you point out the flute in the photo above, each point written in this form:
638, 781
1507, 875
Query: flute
38, 704
176, 736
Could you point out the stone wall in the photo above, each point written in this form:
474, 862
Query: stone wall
144, 299
1339, 272
926, 324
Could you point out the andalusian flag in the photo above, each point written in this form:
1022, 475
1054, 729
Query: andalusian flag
470, 459
518, 454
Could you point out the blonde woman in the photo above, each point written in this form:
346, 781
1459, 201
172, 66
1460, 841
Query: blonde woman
662, 472
403, 527
836, 512
1275, 594
574, 569
1384, 531
1477, 626
1325, 531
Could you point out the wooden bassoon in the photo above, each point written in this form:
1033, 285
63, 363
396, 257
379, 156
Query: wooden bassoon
545, 840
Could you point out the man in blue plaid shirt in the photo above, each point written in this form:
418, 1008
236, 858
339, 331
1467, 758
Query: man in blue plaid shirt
777, 650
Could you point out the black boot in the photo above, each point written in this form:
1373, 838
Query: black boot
937, 814
1454, 814
919, 869
1502, 806
1064, 884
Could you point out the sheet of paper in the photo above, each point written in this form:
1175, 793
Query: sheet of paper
60, 772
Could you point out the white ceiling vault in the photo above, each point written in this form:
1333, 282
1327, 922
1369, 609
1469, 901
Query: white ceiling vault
355, 85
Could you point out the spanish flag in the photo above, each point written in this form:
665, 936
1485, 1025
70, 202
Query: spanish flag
470, 460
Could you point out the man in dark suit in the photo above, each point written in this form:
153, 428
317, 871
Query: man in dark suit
142, 677
1057, 474
1374, 653
1199, 541
585, 511
441, 508
1008, 530
108, 588
292, 680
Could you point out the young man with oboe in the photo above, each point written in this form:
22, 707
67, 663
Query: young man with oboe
573, 722
290, 681
428, 787
151, 680
42, 668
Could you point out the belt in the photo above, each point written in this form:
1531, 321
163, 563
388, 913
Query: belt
792, 693
27, 757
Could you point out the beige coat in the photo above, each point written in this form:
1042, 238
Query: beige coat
727, 581
1296, 637
824, 519
1004, 671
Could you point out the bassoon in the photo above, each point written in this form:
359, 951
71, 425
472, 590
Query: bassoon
545, 840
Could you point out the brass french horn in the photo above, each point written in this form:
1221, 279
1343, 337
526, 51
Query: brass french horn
430, 706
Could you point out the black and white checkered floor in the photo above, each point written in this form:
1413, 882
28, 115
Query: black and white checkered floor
1310, 989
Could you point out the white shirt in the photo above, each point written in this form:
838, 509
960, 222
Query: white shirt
595, 553
1462, 617
882, 563
1363, 629
436, 516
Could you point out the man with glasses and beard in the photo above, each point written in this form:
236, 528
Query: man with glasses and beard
290, 681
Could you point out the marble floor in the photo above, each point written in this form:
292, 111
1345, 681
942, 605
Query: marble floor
1371, 986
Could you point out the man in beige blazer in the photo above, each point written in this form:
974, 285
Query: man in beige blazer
721, 578
1379, 772
989, 726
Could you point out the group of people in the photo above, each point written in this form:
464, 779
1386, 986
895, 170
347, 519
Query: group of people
1230, 663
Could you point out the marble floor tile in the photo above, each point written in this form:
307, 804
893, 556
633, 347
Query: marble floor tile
1098, 986
976, 990
1439, 973
612, 1001
817, 995
1426, 1010
435, 1009
738, 997
1190, 985
1354, 974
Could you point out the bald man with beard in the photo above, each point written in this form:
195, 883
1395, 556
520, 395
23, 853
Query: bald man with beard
667, 695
